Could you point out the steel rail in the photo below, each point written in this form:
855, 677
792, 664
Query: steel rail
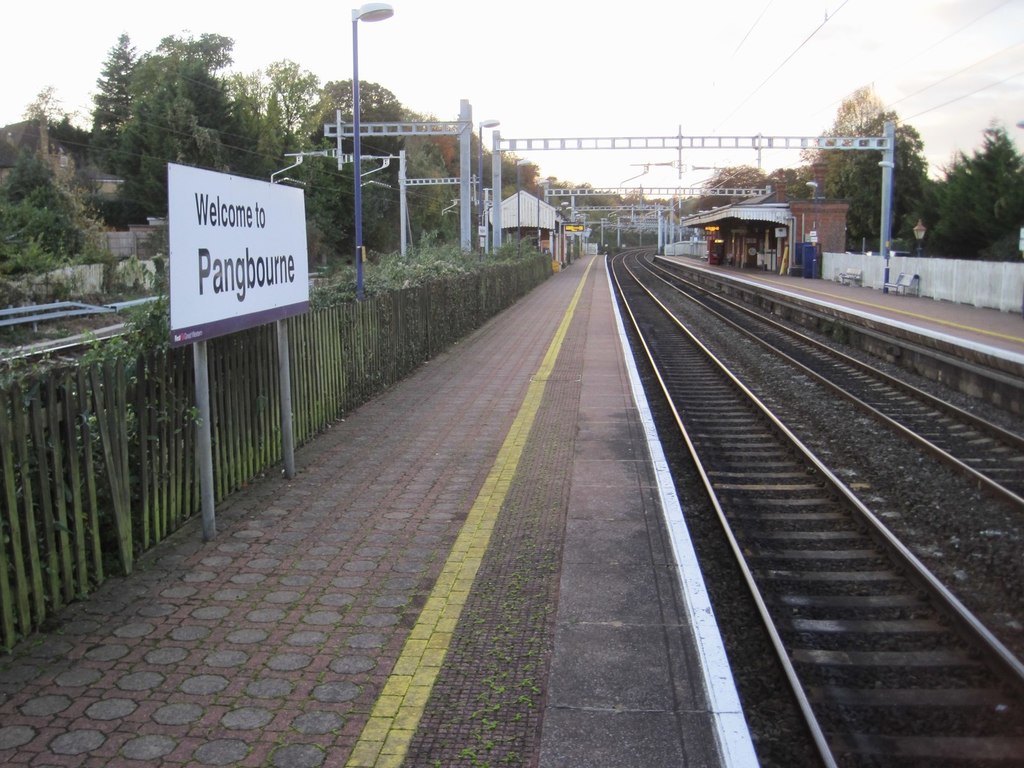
796, 686
994, 431
916, 571
968, 621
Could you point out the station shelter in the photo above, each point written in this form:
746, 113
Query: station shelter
772, 233
527, 218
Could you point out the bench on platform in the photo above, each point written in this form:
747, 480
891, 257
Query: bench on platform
851, 276
906, 283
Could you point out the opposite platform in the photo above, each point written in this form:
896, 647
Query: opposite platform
963, 323
493, 517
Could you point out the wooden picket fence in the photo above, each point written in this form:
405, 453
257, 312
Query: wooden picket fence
97, 462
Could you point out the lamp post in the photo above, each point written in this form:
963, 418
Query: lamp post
814, 198
919, 230
480, 171
885, 237
814, 226
542, 188
568, 237
367, 12
519, 206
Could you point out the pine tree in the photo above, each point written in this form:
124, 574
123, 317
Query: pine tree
113, 100
981, 201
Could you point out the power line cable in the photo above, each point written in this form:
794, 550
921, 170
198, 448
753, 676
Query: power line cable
784, 62
966, 95
954, 74
890, 71
956, 32
753, 26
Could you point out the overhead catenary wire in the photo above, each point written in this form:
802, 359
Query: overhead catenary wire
785, 61
966, 95
950, 76
753, 27
891, 70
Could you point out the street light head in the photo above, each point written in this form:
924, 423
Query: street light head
490, 123
373, 12
919, 230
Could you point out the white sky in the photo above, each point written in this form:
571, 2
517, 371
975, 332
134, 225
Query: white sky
581, 68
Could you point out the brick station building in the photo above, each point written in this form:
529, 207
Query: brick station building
759, 233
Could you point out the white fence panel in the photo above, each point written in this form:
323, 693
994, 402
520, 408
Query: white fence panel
992, 284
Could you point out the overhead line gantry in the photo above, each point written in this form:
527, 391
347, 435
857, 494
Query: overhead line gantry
886, 144
463, 129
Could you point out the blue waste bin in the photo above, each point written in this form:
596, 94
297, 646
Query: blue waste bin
809, 259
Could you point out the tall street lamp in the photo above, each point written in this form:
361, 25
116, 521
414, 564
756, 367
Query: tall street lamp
480, 174
542, 187
814, 198
367, 12
919, 230
519, 206
813, 185
885, 236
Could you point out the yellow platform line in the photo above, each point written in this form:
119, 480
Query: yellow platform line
936, 320
387, 734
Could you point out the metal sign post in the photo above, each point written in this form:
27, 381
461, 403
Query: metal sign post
205, 458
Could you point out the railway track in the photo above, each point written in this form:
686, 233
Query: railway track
887, 667
989, 455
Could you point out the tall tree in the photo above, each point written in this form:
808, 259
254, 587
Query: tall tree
183, 114
112, 103
256, 116
278, 108
45, 107
854, 175
980, 204
295, 93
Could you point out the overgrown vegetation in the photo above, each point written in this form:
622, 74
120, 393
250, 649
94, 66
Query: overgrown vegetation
389, 272
44, 223
147, 326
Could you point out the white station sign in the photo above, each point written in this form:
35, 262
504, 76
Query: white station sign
238, 254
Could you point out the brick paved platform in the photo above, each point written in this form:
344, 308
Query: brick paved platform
471, 569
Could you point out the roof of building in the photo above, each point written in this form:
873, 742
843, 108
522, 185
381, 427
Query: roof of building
17, 138
772, 207
529, 207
